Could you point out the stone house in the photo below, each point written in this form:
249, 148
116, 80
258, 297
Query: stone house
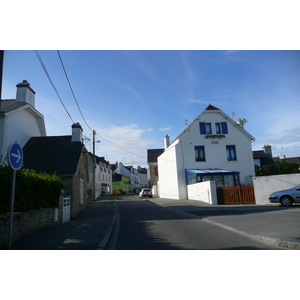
65, 156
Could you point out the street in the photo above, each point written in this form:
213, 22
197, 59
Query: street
146, 226
125, 222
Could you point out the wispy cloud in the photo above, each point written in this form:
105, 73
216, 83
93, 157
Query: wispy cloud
127, 87
198, 101
165, 129
140, 63
187, 67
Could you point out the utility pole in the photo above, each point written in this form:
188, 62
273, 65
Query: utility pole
94, 169
1, 73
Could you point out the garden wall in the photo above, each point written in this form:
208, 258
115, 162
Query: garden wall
266, 185
28, 221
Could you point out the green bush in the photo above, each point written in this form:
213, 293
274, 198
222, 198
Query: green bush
278, 168
32, 190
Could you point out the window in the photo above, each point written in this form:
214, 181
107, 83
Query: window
218, 128
199, 153
231, 154
208, 128
224, 127
205, 128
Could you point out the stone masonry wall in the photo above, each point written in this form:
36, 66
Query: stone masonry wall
26, 222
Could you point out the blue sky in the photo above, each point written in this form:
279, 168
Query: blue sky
133, 98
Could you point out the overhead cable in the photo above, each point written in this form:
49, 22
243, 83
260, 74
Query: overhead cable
48, 75
72, 90
120, 147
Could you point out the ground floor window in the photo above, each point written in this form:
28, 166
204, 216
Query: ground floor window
220, 176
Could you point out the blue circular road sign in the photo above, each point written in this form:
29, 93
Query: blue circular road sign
15, 156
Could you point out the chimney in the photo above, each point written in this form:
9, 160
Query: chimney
267, 149
167, 141
25, 93
76, 133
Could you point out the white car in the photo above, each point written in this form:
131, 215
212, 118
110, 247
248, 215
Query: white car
145, 193
286, 197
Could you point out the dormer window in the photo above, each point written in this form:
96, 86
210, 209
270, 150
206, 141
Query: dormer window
208, 128
220, 128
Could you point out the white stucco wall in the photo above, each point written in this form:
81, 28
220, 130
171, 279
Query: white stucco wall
203, 191
215, 154
167, 176
19, 126
265, 185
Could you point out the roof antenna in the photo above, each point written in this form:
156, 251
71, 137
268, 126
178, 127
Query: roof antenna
232, 114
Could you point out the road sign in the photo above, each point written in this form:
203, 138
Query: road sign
15, 156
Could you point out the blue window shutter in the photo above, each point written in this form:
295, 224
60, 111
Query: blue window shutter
224, 127
202, 128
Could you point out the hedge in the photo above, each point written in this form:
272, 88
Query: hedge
32, 190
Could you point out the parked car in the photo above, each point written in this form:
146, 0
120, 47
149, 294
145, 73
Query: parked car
145, 193
286, 197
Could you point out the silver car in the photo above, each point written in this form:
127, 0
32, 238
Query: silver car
286, 197
145, 193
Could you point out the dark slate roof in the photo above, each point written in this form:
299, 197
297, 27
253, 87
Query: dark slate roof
292, 159
9, 105
153, 154
116, 177
260, 154
52, 154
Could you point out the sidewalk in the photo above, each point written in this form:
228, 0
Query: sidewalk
271, 223
85, 232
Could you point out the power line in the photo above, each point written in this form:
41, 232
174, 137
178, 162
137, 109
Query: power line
48, 75
72, 90
120, 147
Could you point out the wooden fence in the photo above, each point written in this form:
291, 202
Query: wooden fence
240, 194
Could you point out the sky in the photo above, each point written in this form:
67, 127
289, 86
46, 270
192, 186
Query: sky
133, 98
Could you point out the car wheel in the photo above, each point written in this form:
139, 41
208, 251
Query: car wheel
286, 201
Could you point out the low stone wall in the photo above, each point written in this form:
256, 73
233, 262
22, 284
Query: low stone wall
26, 222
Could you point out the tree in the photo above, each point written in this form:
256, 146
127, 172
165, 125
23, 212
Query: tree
277, 168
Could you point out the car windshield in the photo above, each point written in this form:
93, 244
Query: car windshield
297, 187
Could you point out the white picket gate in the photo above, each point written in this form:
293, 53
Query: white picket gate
66, 209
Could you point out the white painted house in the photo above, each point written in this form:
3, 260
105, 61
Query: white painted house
212, 148
19, 120
103, 176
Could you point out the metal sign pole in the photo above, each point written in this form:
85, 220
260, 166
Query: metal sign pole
15, 159
11, 211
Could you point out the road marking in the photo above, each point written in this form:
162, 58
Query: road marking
108, 232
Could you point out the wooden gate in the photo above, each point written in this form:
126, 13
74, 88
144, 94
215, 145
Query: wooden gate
66, 209
240, 194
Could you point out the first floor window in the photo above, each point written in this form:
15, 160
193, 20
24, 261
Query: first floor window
218, 128
208, 128
199, 153
231, 153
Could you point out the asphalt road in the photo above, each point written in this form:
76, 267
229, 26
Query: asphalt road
145, 226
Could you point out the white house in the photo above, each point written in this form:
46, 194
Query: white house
19, 120
212, 148
142, 177
103, 176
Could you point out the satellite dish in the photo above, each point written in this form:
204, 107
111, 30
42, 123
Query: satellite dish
244, 121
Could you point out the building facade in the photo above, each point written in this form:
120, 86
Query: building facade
212, 143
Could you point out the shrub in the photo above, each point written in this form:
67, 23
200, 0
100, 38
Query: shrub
277, 168
32, 190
